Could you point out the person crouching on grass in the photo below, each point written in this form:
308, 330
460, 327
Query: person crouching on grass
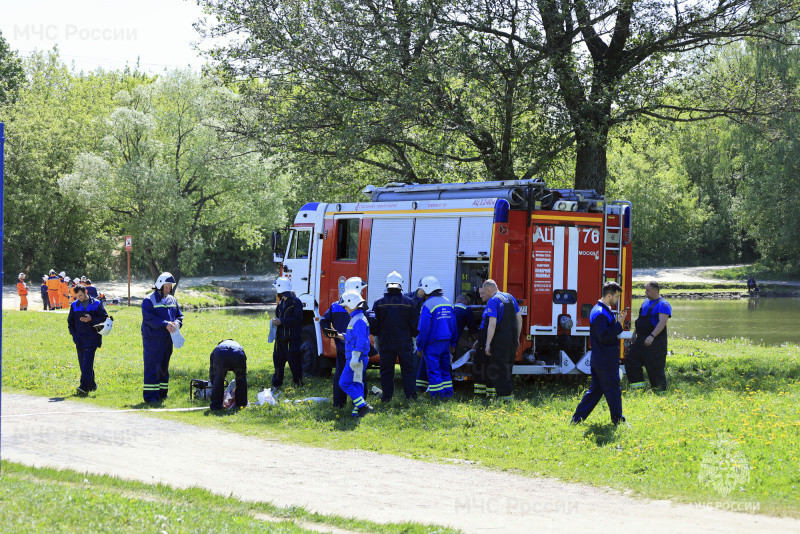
356, 343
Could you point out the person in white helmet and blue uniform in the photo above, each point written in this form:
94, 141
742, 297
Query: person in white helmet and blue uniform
356, 342
289, 323
161, 316
437, 338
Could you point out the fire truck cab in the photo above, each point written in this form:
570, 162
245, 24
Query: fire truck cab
551, 248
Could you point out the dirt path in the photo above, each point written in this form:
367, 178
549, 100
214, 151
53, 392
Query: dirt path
378, 487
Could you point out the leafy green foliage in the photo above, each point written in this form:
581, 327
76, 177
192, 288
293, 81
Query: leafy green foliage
12, 75
168, 177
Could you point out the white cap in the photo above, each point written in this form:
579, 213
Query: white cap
351, 299
354, 284
394, 280
282, 285
164, 278
429, 284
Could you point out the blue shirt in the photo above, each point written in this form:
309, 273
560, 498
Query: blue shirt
496, 306
657, 306
437, 322
157, 312
336, 318
603, 334
357, 336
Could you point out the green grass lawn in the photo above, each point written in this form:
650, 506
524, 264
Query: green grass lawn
733, 390
49, 500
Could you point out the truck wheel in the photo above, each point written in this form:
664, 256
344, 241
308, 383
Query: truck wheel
308, 351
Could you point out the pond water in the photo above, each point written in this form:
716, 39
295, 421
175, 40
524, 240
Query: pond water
767, 321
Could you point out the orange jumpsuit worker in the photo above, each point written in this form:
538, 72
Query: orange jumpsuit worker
22, 291
53, 289
65, 292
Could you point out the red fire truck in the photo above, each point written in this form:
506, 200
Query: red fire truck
550, 248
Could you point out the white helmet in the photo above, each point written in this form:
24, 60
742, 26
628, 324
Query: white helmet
105, 327
52, 271
354, 284
44, 278
394, 280
21, 275
282, 285
165, 278
351, 299
429, 284
62, 274
83, 278
67, 279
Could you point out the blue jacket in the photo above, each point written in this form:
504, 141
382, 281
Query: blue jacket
437, 322
83, 334
44, 290
464, 318
395, 320
157, 312
91, 291
337, 318
290, 312
226, 347
603, 334
357, 336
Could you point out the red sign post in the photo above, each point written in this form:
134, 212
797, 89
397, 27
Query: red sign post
128, 247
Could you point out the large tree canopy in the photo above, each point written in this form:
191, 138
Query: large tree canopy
167, 178
444, 89
12, 75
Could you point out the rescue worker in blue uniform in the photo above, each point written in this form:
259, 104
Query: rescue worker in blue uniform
289, 322
356, 353
161, 316
84, 314
603, 331
395, 327
437, 338
503, 325
649, 347
227, 356
417, 299
464, 317
45, 297
90, 289
337, 318
482, 385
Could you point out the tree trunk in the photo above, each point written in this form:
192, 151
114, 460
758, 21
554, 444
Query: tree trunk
174, 266
591, 166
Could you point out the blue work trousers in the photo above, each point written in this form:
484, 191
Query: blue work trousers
86, 363
389, 356
605, 382
436, 359
157, 352
354, 390
284, 351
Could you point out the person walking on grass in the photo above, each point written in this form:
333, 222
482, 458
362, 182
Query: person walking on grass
85, 313
603, 331
161, 316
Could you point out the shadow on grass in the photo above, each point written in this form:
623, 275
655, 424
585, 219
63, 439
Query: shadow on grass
601, 434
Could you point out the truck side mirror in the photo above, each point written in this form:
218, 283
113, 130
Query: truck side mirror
276, 240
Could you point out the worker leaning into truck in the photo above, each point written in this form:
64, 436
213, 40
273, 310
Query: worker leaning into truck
22, 291
603, 331
649, 347
395, 327
437, 338
289, 323
53, 288
464, 318
503, 325
337, 318
161, 316
482, 385
356, 353
45, 297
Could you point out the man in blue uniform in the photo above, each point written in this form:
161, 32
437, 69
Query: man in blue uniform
503, 324
417, 298
84, 314
227, 356
337, 318
356, 353
395, 327
603, 331
161, 316
289, 322
437, 338
464, 317
649, 348
45, 297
